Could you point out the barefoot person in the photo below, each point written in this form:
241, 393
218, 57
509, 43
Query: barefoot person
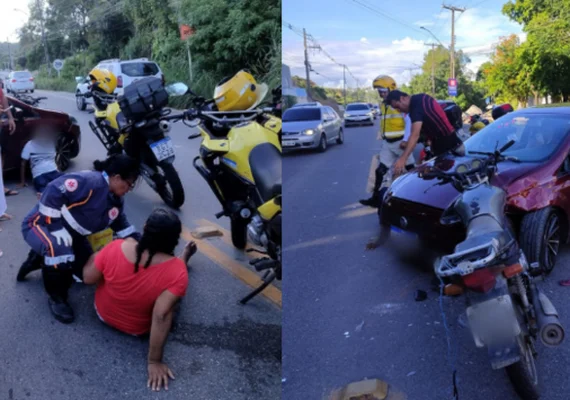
139, 285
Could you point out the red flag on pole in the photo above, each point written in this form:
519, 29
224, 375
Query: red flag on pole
186, 31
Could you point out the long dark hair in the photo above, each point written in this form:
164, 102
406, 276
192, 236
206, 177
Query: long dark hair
119, 164
160, 235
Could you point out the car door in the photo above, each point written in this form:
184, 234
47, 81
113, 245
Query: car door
337, 123
327, 123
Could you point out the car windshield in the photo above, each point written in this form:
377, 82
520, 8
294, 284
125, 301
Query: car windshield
20, 75
302, 114
536, 136
139, 69
357, 107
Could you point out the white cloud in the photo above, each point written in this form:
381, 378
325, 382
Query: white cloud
477, 32
424, 23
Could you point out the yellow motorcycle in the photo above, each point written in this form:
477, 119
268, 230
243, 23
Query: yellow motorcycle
240, 159
137, 127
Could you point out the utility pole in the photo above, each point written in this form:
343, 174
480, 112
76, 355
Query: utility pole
432, 67
453, 9
307, 66
10, 52
344, 82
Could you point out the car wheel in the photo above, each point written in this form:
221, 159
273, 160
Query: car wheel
32, 91
540, 236
322, 144
340, 139
63, 152
80, 102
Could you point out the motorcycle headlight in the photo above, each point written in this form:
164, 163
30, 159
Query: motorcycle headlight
308, 132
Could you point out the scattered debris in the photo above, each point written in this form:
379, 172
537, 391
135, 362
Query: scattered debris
412, 373
283, 380
409, 325
420, 295
346, 335
428, 323
436, 322
359, 327
203, 232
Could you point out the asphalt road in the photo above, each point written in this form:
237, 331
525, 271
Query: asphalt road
219, 350
350, 313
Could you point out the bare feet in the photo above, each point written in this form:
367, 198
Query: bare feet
189, 250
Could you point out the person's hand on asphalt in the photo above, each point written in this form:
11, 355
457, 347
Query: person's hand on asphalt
399, 166
158, 373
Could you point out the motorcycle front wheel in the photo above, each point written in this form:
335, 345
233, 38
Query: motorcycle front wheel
166, 182
239, 232
523, 375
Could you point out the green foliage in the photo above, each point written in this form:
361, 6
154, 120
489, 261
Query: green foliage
230, 35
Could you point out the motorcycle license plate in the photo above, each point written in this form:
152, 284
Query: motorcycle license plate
493, 321
288, 143
163, 149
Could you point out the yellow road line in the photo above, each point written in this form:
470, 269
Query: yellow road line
234, 267
227, 236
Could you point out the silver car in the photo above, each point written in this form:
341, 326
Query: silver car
358, 114
311, 128
20, 81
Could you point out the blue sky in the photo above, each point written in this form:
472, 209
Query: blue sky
388, 38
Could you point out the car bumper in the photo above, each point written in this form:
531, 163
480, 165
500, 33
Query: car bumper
299, 142
421, 221
358, 120
17, 87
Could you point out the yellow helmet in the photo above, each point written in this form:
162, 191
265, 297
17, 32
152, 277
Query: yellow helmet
239, 92
476, 127
103, 79
384, 81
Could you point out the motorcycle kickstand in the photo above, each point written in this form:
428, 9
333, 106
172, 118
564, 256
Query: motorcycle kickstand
267, 279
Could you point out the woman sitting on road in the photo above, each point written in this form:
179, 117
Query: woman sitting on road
139, 285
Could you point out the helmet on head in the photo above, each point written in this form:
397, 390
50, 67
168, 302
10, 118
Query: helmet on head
501, 110
103, 80
476, 127
239, 92
384, 82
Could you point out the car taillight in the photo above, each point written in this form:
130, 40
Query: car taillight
120, 81
32, 79
481, 280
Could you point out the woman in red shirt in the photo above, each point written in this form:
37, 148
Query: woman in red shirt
140, 283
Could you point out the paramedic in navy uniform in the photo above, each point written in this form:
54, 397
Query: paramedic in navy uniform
71, 208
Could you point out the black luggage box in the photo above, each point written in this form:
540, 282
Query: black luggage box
142, 98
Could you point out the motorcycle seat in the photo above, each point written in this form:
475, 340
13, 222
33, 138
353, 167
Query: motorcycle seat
277, 189
265, 164
482, 230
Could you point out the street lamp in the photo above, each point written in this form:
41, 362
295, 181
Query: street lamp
431, 33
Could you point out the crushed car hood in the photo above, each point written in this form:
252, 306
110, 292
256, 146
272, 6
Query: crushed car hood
412, 188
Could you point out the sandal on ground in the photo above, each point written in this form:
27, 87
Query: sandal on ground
10, 192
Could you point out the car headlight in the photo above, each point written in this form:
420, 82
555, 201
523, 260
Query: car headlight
308, 132
347, 115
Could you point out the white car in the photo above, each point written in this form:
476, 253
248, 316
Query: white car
20, 81
127, 72
358, 114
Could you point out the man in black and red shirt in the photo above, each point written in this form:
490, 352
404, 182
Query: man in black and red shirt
428, 117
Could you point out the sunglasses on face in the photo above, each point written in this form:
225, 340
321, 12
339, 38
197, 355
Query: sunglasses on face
382, 90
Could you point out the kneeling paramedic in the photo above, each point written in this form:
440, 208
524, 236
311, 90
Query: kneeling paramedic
71, 208
395, 129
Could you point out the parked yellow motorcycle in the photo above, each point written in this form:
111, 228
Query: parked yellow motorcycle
240, 159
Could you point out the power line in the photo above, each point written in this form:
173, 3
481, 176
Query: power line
383, 14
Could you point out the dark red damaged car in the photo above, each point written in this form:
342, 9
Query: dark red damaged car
538, 186
28, 119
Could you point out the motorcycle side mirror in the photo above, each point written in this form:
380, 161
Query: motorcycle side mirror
177, 89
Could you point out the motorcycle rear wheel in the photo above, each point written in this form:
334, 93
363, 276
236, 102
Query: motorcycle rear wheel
523, 375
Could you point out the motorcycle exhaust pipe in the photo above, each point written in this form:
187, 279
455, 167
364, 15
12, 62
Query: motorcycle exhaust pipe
551, 331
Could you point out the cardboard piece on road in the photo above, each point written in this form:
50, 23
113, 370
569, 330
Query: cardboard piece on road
203, 232
371, 389
372, 173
